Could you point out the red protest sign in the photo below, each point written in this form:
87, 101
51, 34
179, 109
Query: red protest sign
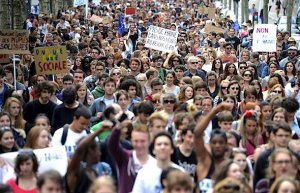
130, 11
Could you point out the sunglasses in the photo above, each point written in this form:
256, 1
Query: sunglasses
117, 73
194, 62
235, 88
247, 75
155, 101
242, 67
277, 91
169, 101
223, 87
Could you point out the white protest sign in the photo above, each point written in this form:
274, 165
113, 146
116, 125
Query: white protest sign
49, 158
264, 38
79, 2
161, 39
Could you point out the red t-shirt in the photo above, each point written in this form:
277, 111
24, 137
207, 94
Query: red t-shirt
17, 189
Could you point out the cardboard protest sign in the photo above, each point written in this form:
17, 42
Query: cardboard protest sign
211, 28
106, 20
161, 39
96, 19
264, 38
49, 158
51, 60
14, 41
203, 10
4, 58
211, 13
130, 11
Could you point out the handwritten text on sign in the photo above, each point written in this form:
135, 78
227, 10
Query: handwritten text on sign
49, 158
14, 42
161, 39
51, 60
264, 38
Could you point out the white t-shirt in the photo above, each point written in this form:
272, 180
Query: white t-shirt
137, 163
148, 179
71, 140
109, 102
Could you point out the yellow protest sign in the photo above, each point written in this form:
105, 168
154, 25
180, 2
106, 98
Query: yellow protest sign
51, 60
14, 41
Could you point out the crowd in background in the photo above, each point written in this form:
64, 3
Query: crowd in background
210, 116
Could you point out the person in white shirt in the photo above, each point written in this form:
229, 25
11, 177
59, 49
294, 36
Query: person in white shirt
70, 134
148, 178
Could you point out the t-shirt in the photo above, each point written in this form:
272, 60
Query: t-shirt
109, 102
148, 179
235, 41
17, 189
71, 140
103, 135
189, 164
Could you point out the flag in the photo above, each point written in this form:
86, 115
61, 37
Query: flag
236, 25
121, 27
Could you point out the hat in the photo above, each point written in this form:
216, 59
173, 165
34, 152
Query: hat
292, 48
244, 24
291, 39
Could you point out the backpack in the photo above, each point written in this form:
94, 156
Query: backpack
65, 134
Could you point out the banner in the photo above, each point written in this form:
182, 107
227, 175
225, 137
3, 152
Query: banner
4, 59
161, 39
14, 41
49, 158
51, 60
264, 38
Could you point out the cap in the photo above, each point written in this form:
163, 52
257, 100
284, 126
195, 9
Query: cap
244, 24
291, 39
292, 48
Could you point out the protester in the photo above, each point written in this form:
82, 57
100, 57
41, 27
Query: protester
164, 65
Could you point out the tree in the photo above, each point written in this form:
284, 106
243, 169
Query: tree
266, 11
290, 6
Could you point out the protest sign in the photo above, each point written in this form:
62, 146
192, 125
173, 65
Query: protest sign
96, 19
4, 59
211, 28
14, 42
79, 2
211, 13
161, 39
106, 20
51, 60
203, 10
130, 11
264, 38
49, 158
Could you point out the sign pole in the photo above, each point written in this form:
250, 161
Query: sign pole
86, 8
15, 76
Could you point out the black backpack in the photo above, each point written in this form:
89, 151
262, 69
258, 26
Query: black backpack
65, 134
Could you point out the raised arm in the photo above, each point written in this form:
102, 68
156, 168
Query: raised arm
73, 170
114, 145
200, 149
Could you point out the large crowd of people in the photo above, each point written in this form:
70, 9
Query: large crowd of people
212, 116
